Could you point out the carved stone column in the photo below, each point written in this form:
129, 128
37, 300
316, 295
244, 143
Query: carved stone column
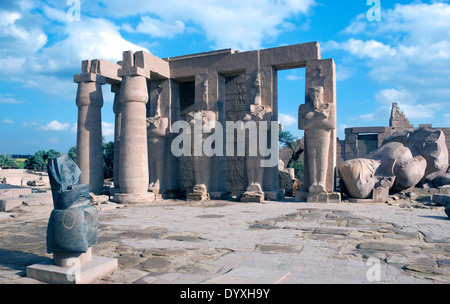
133, 158
89, 133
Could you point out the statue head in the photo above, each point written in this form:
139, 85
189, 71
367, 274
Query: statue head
316, 95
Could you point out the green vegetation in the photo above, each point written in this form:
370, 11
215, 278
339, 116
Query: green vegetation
40, 159
286, 139
8, 162
108, 157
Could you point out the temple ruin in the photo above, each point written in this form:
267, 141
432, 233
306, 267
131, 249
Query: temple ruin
154, 96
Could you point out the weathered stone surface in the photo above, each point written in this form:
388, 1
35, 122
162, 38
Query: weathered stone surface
404, 159
447, 210
441, 199
72, 227
9, 203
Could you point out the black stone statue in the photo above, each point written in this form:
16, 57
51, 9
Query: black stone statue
72, 227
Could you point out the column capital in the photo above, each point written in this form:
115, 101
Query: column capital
89, 77
133, 71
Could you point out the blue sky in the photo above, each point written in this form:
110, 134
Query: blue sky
403, 58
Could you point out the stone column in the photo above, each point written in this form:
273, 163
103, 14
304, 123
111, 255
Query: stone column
117, 108
133, 158
89, 134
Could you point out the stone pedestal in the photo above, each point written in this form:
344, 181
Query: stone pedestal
325, 198
198, 197
89, 134
252, 197
134, 198
77, 273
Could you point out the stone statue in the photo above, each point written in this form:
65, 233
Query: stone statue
202, 163
405, 159
72, 227
317, 119
157, 133
255, 172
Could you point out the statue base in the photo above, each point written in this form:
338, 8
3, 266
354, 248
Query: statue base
197, 196
324, 198
252, 197
83, 273
136, 198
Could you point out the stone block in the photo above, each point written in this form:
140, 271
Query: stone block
441, 199
92, 271
137, 198
197, 196
301, 196
381, 194
317, 198
133, 71
252, 197
13, 180
10, 203
274, 195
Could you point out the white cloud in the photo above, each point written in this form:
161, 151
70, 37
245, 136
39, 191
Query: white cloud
55, 126
294, 77
8, 121
107, 129
53, 140
157, 28
409, 52
287, 120
407, 103
27, 59
367, 117
7, 98
235, 24
364, 49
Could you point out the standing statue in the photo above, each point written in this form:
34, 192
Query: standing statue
157, 134
206, 120
255, 172
317, 119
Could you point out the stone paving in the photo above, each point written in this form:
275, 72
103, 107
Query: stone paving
227, 242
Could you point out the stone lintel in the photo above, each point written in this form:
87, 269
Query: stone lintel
359, 130
152, 63
89, 77
109, 70
133, 71
290, 56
